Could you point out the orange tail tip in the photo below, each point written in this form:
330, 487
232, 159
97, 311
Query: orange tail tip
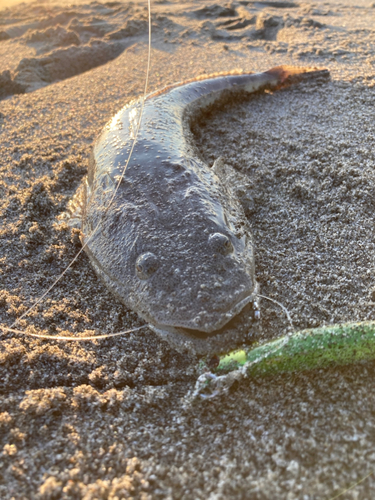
292, 74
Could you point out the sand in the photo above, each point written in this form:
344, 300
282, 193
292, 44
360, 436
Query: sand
106, 419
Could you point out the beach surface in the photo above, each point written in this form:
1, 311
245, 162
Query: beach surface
108, 419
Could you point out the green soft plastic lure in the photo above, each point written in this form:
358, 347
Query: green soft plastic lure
334, 345
314, 348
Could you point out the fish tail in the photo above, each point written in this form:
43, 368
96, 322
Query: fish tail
288, 75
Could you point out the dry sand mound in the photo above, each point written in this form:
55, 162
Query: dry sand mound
105, 420
93, 35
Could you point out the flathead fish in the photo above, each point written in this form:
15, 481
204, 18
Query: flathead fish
174, 243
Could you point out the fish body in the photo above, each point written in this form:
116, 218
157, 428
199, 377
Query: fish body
174, 243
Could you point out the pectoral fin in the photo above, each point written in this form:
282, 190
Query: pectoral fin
75, 208
237, 183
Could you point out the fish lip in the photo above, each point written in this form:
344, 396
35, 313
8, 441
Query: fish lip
230, 314
215, 329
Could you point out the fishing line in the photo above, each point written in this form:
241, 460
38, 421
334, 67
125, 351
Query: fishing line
78, 339
282, 307
11, 328
351, 487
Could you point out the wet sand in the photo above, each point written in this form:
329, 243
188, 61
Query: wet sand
106, 419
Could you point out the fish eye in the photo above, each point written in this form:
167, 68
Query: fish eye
146, 265
220, 243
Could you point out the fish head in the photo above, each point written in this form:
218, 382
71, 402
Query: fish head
192, 269
181, 256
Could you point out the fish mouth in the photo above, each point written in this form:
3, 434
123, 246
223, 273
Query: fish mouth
235, 325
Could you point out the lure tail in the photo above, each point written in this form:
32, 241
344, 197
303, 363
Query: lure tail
334, 345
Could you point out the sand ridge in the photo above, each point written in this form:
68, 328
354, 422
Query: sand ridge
105, 419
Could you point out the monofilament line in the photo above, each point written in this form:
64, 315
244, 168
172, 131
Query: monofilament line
352, 486
41, 298
280, 305
78, 339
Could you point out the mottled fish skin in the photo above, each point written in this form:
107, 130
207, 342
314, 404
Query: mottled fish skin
174, 245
